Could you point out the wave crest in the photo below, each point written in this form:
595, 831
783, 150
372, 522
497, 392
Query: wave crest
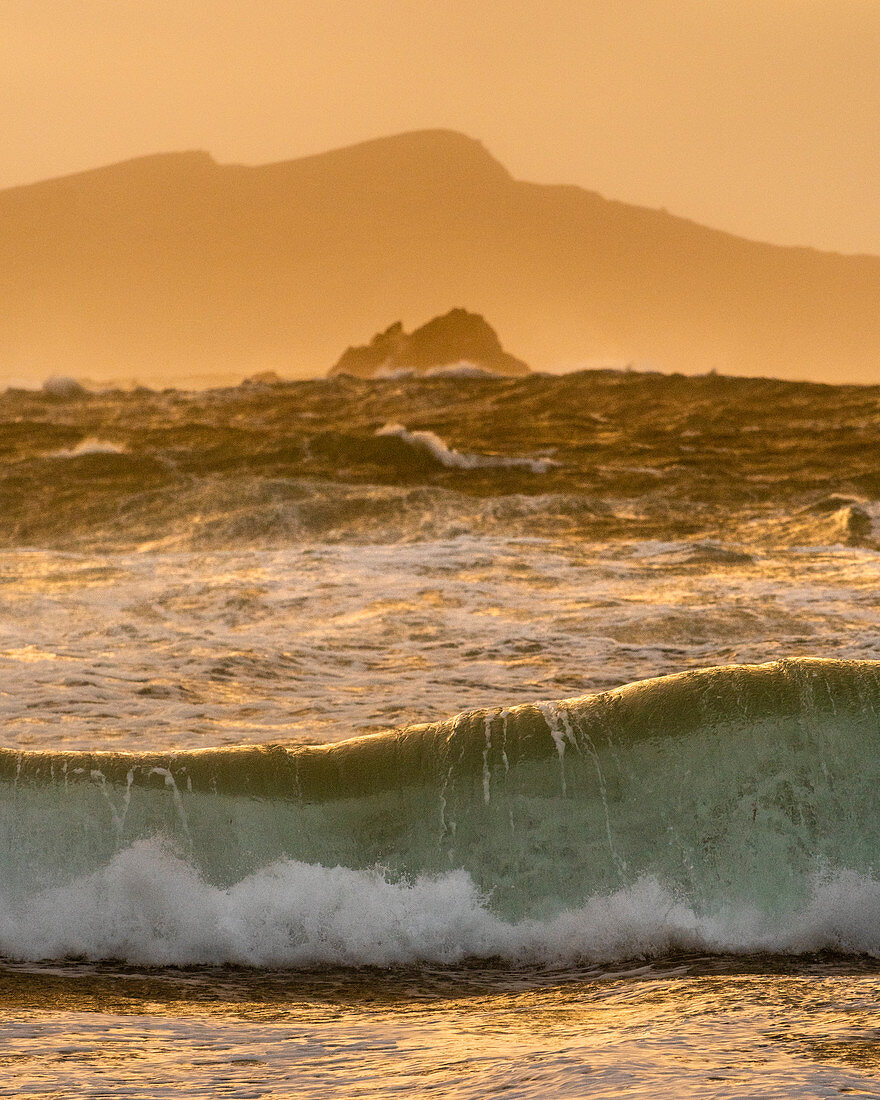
447, 456
733, 787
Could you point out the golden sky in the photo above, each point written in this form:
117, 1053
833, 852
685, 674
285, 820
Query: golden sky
757, 116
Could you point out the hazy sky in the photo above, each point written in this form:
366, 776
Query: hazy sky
758, 116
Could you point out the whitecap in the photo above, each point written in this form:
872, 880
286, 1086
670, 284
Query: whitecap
148, 906
89, 446
462, 460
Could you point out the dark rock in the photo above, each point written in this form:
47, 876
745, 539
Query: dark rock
456, 337
63, 388
263, 378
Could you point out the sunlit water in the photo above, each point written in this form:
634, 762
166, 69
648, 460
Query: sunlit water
187, 650
191, 649
692, 1029
176, 574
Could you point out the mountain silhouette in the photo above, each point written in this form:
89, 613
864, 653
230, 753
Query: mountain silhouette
173, 265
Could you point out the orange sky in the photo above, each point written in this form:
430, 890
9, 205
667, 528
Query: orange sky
757, 116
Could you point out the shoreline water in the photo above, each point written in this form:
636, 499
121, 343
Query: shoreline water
683, 1026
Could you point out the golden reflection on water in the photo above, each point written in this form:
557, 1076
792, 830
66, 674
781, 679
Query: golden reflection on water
642, 1032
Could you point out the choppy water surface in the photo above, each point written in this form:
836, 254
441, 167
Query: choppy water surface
185, 648
305, 563
693, 1028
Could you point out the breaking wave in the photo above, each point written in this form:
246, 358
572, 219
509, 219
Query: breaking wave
433, 445
90, 446
149, 906
730, 809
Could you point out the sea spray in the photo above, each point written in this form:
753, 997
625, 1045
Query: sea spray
149, 906
738, 792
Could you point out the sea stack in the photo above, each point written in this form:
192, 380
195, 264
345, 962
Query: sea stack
458, 338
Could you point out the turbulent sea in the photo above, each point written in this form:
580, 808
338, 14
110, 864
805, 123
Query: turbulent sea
448, 736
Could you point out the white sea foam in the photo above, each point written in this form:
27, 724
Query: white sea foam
90, 446
386, 371
462, 460
148, 906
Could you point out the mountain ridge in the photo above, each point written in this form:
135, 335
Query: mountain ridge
174, 263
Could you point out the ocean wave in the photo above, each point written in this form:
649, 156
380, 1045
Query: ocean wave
63, 387
784, 466
833, 520
90, 446
447, 456
148, 906
461, 369
728, 809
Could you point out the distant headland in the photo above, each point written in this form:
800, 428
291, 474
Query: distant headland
174, 266
457, 340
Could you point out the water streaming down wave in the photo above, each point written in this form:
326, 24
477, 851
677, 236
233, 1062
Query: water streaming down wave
731, 809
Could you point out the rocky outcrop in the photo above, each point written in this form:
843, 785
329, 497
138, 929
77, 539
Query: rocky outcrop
179, 271
456, 338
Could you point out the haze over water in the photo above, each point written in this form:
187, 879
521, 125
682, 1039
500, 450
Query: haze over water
174, 269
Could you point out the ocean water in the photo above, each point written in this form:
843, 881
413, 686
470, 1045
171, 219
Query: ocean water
441, 736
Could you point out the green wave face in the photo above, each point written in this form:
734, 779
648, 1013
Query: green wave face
731, 785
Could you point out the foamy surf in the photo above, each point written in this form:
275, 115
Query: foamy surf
731, 809
149, 906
